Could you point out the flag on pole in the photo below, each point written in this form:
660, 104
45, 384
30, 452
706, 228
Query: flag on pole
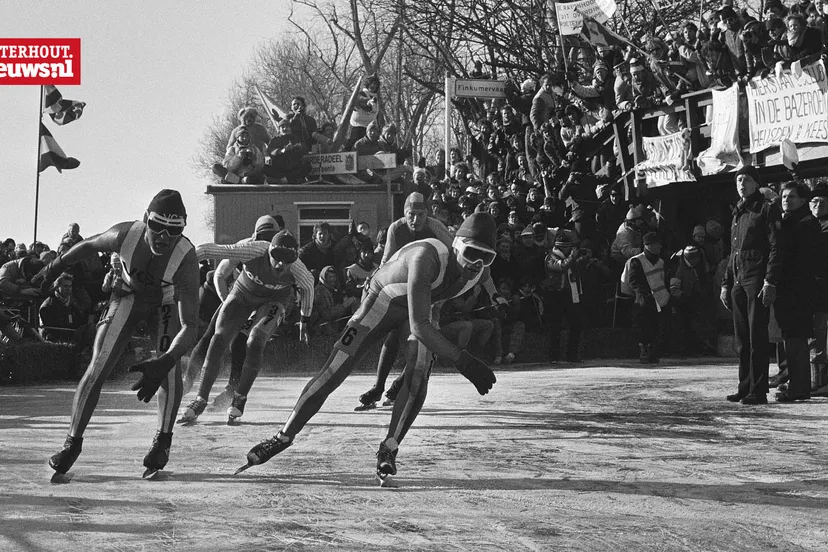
61, 111
51, 154
275, 112
599, 35
570, 15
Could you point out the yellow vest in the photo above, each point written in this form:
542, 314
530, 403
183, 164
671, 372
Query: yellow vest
655, 279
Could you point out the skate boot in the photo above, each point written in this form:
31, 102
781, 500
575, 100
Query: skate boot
225, 398
369, 399
193, 411
236, 409
393, 391
266, 450
158, 455
387, 459
63, 460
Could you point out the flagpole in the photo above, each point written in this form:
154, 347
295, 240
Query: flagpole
37, 179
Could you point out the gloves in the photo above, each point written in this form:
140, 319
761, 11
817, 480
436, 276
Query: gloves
476, 371
46, 277
724, 295
768, 294
303, 333
153, 372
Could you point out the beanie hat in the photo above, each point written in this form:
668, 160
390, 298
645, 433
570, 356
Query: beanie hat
284, 247
415, 200
480, 227
563, 240
634, 213
539, 230
713, 229
265, 228
751, 171
168, 205
651, 238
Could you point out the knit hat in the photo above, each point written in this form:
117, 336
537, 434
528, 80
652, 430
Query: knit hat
563, 240
283, 247
727, 11
415, 200
539, 230
751, 171
651, 238
265, 228
167, 204
600, 64
636, 66
480, 227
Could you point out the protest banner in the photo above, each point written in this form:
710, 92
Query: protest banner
571, 15
667, 159
791, 104
723, 154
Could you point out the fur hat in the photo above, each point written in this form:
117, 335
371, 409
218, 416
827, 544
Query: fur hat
168, 204
480, 227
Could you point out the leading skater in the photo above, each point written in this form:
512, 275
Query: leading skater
160, 281
400, 296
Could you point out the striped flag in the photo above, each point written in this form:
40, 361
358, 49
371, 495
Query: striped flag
275, 112
61, 111
51, 154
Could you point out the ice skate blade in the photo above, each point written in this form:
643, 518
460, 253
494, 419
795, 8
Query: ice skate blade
151, 473
60, 478
388, 402
385, 480
364, 407
186, 421
243, 468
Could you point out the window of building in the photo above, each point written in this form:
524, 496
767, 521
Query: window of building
337, 214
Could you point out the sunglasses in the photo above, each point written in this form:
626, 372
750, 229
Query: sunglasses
283, 255
158, 228
473, 254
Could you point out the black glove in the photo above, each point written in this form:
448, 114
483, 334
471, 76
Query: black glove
153, 372
476, 371
46, 277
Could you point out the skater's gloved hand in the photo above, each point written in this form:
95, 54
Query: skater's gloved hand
303, 333
153, 372
476, 371
724, 296
48, 275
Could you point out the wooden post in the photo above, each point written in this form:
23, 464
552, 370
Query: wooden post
344, 121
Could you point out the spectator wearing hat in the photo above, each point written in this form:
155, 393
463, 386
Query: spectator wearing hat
688, 291
733, 39
797, 237
530, 256
749, 286
628, 240
775, 9
247, 121
689, 51
563, 298
819, 343
754, 37
60, 317
330, 304
479, 146
610, 216
646, 91
284, 155
600, 88
243, 162
622, 86
72, 236
644, 277
505, 264
357, 273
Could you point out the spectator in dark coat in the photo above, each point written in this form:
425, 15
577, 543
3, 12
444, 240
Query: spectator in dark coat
319, 253
819, 343
749, 286
796, 288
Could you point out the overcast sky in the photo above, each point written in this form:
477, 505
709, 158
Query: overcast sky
154, 74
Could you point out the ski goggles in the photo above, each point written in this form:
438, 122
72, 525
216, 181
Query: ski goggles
159, 224
472, 253
284, 255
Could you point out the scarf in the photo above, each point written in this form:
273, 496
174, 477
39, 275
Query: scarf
795, 39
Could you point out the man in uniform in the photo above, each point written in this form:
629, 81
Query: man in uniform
160, 278
400, 297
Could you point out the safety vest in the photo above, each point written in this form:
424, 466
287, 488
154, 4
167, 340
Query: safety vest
655, 279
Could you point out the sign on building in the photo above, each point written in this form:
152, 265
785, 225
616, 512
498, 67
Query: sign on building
333, 163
